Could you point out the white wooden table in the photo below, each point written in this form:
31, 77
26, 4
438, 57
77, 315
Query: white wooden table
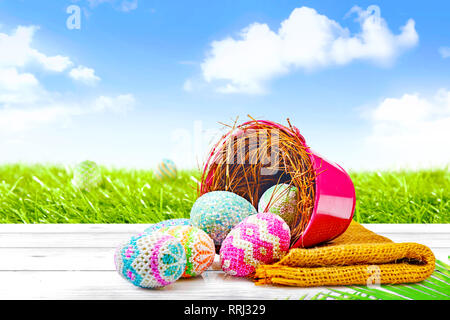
76, 261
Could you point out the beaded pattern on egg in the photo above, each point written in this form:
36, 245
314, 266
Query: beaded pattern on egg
168, 223
217, 212
87, 175
283, 202
199, 247
166, 169
259, 239
151, 261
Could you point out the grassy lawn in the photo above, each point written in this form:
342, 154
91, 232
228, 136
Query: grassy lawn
45, 194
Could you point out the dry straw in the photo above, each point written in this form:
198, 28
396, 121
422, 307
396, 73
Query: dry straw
254, 156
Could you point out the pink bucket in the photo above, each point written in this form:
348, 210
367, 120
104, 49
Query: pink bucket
334, 202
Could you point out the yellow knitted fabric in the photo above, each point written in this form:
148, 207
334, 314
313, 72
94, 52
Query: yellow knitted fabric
357, 257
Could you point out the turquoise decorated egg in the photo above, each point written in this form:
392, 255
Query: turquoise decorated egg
280, 199
217, 212
262, 238
168, 223
151, 260
166, 170
87, 176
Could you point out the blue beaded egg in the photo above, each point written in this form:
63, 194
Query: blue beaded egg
217, 212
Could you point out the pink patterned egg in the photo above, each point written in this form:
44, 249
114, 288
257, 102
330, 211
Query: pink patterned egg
262, 238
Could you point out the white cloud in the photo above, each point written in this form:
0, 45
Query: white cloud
444, 52
121, 5
56, 63
18, 88
129, 5
18, 120
305, 40
57, 110
12, 80
120, 104
84, 74
411, 131
16, 51
26, 104
188, 86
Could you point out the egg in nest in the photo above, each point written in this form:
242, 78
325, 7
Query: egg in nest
280, 199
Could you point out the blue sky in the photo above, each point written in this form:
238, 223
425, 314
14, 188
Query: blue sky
144, 80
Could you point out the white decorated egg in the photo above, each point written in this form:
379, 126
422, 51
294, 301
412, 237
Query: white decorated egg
151, 260
280, 199
87, 176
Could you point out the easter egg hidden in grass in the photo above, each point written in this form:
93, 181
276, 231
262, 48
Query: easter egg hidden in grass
262, 238
199, 247
166, 169
151, 261
280, 199
87, 175
217, 212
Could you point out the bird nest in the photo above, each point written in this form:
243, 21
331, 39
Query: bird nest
256, 155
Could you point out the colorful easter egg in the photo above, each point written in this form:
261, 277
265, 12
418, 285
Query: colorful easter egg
87, 175
199, 247
166, 170
262, 238
217, 212
151, 261
168, 223
280, 199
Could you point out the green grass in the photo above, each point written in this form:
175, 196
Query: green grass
45, 194
436, 287
403, 197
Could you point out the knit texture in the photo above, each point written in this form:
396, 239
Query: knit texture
217, 212
199, 247
258, 239
87, 176
167, 223
281, 199
357, 257
150, 261
166, 170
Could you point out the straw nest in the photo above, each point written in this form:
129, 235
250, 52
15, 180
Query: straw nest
256, 155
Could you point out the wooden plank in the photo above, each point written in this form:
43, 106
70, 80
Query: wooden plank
111, 240
136, 228
408, 228
73, 228
80, 259
109, 285
62, 259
